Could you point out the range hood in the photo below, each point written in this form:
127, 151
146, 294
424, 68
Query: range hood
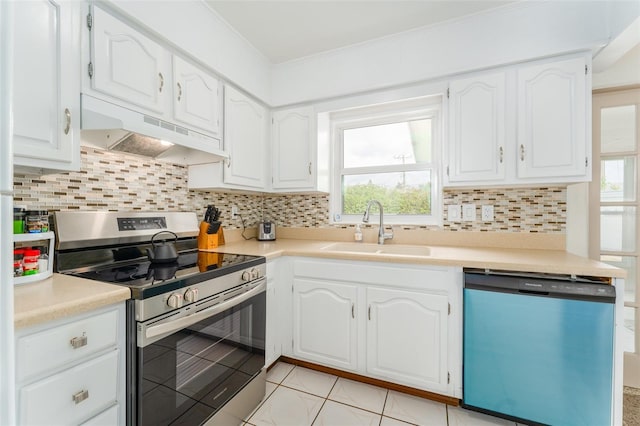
114, 127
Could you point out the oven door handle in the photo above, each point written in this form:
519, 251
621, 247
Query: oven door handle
156, 332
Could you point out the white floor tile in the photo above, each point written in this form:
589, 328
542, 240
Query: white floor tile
279, 372
359, 395
461, 417
311, 381
415, 410
334, 413
287, 407
388, 421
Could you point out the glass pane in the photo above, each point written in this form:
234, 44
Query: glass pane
630, 264
618, 129
408, 142
629, 330
399, 192
618, 179
618, 228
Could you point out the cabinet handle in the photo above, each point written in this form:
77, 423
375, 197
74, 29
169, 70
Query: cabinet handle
521, 152
80, 396
501, 154
161, 81
309, 168
67, 114
78, 342
229, 162
369, 313
353, 312
179, 92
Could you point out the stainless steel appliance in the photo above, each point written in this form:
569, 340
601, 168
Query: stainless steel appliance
538, 349
266, 230
195, 326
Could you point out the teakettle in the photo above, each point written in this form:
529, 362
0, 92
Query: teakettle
163, 252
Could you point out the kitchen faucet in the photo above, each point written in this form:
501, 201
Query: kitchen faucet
381, 234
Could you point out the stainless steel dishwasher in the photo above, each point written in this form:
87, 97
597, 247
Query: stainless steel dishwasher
538, 348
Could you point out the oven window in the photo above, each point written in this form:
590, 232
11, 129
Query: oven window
186, 377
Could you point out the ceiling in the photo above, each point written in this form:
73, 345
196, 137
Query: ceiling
285, 30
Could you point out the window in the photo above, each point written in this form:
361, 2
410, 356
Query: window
388, 154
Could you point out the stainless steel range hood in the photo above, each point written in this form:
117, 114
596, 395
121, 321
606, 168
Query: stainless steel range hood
109, 126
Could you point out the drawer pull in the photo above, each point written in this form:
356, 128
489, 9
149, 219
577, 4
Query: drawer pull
78, 342
80, 396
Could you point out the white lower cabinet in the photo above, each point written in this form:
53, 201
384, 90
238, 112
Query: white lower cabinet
72, 371
393, 322
324, 326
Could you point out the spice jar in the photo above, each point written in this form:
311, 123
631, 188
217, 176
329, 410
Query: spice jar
18, 220
18, 271
36, 221
30, 261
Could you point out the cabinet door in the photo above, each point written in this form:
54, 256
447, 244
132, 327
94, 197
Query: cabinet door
127, 65
196, 97
324, 325
477, 129
407, 337
552, 138
46, 98
244, 140
293, 141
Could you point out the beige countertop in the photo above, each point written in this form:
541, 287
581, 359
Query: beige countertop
60, 296
525, 260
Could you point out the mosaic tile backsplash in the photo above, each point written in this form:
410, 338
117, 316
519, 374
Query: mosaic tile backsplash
120, 182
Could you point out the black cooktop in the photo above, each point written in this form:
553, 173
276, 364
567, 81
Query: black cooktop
148, 279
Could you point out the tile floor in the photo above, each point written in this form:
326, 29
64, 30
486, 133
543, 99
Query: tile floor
298, 396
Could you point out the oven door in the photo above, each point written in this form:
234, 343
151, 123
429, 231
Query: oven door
191, 363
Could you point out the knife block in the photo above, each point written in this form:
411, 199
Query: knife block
209, 241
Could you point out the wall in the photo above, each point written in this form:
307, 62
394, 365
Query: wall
120, 182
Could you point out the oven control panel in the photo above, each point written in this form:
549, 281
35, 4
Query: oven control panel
141, 223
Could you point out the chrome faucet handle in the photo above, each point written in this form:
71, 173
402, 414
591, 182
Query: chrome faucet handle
385, 235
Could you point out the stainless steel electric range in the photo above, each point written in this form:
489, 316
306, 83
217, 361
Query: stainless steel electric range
195, 322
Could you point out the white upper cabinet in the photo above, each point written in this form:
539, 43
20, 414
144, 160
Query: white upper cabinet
552, 119
526, 124
293, 137
245, 130
477, 129
196, 97
128, 65
46, 97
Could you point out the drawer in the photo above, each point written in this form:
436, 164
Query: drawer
53, 348
51, 401
106, 418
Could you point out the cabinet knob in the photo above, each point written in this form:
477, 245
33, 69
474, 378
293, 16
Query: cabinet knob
80, 396
78, 342
229, 162
161, 78
67, 115
179, 92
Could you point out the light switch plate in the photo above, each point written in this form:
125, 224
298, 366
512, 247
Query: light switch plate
468, 212
454, 212
487, 213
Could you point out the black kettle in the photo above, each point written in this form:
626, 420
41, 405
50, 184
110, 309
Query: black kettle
164, 252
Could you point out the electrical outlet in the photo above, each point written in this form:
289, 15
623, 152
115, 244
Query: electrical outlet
487, 213
234, 211
468, 212
454, 212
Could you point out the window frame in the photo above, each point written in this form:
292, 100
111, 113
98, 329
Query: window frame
415, 109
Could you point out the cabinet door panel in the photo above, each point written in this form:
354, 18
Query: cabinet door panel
46, 106
551, 119
477, 128
324, 323
293, 136
128, 65
407, 337
196, 98
244, 140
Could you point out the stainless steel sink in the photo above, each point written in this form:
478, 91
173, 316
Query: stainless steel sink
391, 249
